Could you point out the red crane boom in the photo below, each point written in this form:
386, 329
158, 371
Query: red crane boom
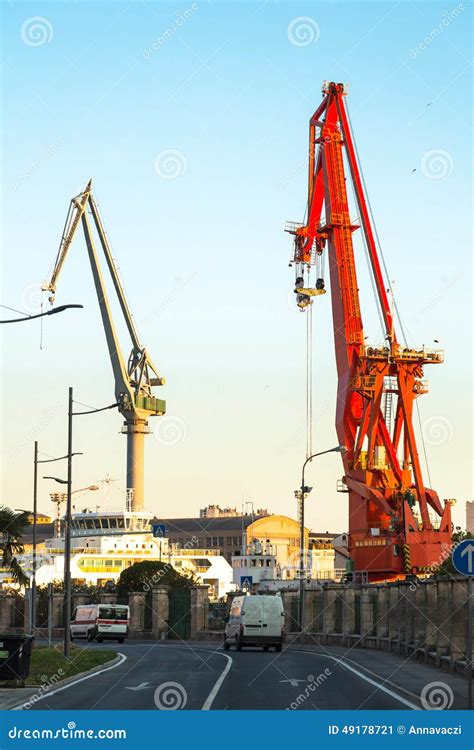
391, 529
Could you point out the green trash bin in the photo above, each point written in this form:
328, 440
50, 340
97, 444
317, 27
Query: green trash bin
15, 655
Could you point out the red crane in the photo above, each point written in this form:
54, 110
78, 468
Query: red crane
397, 525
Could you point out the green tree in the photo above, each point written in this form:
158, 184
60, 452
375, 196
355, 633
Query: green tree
143, 576
13, 525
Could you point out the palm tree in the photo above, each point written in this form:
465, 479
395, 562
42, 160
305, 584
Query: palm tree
12, 527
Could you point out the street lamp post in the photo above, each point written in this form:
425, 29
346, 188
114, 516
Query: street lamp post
67, 524
36, 461
35, 513
67, 537
304, 491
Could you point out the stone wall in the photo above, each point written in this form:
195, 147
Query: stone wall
426, 620
14, 612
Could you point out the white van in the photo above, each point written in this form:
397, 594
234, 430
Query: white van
100, 621
255, 621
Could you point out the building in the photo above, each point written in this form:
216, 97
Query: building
271, 555
281, 534
215, 511
470, 516
106, 542
223, 533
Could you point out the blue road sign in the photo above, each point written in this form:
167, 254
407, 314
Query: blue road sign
463, 557
246, 582
159, 529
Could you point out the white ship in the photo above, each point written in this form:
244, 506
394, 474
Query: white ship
106, 542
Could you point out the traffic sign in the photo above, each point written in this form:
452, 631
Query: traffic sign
463, 557
159, 529
246, 582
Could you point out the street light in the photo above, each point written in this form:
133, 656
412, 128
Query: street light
35, 514
55, 310
304, 490
67, 531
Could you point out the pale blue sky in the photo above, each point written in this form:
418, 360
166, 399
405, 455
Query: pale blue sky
203, 256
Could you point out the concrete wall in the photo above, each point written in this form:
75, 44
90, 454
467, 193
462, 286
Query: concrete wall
14, 612
426, 620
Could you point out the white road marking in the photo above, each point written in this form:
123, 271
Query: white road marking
48, 693
293, 681
217, 686
363, 677
210, 698
141, 686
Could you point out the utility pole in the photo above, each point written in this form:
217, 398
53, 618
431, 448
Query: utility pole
302, 556
304, 491
35, 513
67, 537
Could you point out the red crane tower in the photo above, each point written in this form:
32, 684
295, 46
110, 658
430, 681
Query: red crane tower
397, 525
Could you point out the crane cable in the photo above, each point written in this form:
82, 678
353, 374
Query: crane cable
309, 380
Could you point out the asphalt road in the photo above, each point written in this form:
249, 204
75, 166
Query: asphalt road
170, 676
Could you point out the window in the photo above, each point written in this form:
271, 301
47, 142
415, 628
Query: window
221, 541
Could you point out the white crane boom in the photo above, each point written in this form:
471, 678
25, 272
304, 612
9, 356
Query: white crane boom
134, 382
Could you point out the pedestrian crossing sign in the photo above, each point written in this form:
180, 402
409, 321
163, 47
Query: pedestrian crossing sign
246, 582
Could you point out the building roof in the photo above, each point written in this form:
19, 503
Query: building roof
43, 531
205, 525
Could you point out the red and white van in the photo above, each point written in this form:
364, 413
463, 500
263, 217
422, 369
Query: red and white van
98, 622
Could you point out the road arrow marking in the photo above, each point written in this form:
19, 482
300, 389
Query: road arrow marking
469, 551
141, 686
293, 681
